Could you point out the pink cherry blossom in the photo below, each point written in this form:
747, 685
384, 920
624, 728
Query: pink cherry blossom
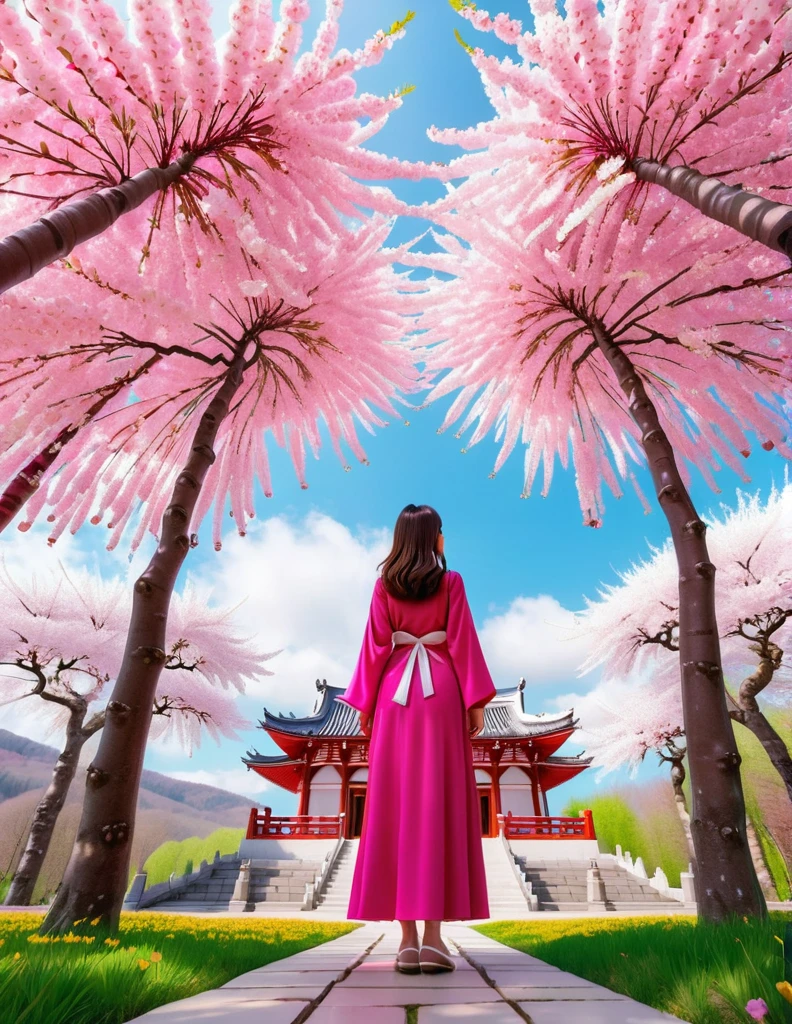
336, 356
675, 81
513, 328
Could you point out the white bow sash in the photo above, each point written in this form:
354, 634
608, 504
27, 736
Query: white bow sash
420, 653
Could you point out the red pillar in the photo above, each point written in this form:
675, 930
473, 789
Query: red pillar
497, 771
305, 788
344, 754
535, 795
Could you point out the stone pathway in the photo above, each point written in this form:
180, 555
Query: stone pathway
351, 980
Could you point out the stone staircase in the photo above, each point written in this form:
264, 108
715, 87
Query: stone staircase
271, 881
335, 897
505, 895
281, 881
211, 893
561, 885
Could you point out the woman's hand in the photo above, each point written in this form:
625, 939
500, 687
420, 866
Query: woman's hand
475, 721
365, 724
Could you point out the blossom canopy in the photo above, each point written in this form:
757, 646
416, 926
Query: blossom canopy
514, 330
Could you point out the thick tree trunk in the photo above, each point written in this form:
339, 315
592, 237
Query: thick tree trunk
53, 236
26, 482
745, 710
96, 876
726, 882
46, 814
761, 219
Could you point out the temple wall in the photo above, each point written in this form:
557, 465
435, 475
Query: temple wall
515, 790
555, 849
325, 794
517, 799
285, 849
324, 799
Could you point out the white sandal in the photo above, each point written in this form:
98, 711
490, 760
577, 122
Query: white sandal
430, 967
407, 968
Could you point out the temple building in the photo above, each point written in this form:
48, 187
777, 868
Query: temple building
325, 758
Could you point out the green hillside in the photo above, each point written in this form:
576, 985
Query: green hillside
182, 857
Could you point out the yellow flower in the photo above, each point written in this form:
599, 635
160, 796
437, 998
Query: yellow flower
785, 989
80, 921
143, 964
96, 920
778, 940
17, 956
112, 942
156, 957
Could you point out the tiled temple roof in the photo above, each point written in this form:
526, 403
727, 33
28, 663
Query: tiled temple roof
504, 717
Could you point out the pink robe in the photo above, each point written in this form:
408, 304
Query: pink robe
420, 855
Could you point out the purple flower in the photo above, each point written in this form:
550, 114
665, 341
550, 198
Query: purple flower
756, 1008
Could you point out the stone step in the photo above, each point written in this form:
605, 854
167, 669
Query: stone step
260, 862
276, 897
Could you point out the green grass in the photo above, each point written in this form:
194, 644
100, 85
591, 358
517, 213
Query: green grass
185, 856
702, 973
85, 979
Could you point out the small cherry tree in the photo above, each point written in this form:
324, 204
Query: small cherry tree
61, 639
644, 719
635, 624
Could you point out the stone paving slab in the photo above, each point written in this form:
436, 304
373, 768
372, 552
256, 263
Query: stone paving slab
573, 994
260, 978
551, 977
342, 995
361, 1015
472, 1013
221, 1007
618, 1011
385, 965
361, 978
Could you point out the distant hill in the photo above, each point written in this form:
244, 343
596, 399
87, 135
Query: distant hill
167, 808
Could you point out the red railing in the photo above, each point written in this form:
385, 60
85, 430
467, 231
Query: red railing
266, 825
534, 827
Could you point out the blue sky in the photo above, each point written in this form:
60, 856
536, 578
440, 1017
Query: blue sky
506, 548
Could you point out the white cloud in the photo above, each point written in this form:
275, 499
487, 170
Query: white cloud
535, 637
306, 588
234, 780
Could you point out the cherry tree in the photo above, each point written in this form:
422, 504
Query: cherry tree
607, 98
96, 119
642, 306
61, 640
292, 324
643, 718
634, 626
646, 717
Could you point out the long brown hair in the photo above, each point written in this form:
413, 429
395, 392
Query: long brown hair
413, 569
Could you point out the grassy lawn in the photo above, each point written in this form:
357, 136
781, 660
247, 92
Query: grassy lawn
702, 973
156, 958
